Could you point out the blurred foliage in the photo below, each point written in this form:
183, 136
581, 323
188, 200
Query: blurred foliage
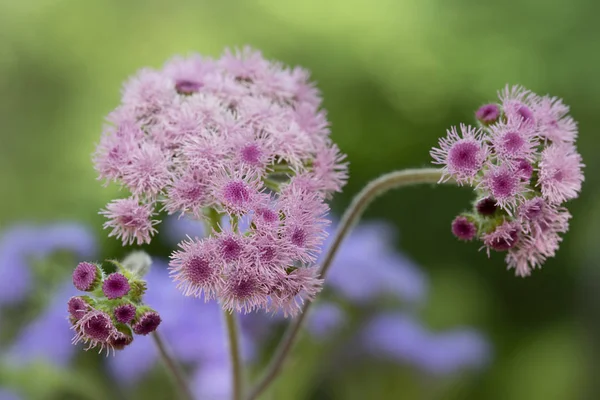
394, 74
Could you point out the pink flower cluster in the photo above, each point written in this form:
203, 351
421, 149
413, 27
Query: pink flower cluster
269, 266
523, 164
240, 137
203, 133
113, 311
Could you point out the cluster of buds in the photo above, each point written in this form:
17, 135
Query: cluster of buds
112, 311
238, 137
523, 165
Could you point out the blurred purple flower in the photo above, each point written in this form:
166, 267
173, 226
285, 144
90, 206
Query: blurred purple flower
401, 338
367, 266
48, 337
324, 319
22, 242
212, 381
6, 394
193, 330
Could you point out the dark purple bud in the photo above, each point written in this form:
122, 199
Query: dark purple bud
147, 323
463, 229
86, 276
486, 206
115, 286
77, 307
187, 87
488, 114
125, 313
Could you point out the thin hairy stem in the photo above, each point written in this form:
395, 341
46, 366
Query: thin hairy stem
352, 214
173, 368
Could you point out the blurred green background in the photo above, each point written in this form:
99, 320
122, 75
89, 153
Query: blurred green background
394, 75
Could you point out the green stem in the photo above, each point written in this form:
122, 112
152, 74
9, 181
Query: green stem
173, 368
234, 353
361, 201
231, 323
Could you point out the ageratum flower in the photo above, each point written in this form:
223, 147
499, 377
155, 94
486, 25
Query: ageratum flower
240, 137
523, 164
113, 312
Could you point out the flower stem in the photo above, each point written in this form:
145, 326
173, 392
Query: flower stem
172, 367
352, 214
231, 321
234, 353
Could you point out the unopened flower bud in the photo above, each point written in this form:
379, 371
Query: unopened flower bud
146, 322
87, 276
116, 286
463, 228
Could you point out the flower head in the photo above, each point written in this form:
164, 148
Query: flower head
130, 220
95, 329
463, 229
124, 313
221, 134
147, 323
195, 268
115, 286
462, 156
560, 175
529, 167
488, 114
86, 276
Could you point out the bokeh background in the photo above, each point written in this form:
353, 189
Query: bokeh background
394, 75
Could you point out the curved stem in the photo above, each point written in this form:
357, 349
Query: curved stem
234, 353
172, 367
352, 214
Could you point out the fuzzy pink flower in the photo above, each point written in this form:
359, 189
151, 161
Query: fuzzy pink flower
147, 173
130, 220
518, 104
533, 252
189, 193
330, 170
289, 290
504, 237
554, 123
462, 156
560, 175
195, 268
537, 215
514, 141
304, 224
244, 290
504, 185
